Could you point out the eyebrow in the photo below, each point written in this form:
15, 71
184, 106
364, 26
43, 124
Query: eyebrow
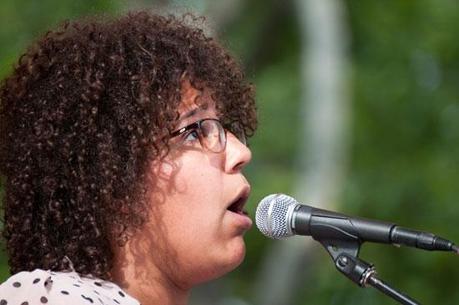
190, 113
194, 111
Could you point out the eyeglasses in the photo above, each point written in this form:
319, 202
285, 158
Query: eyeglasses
209, 132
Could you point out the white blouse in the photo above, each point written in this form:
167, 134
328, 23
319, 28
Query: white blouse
57, 288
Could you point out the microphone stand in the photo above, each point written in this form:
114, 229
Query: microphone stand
345, 256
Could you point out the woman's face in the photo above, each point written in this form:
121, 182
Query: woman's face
198, 237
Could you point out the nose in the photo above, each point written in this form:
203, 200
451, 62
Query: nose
238, 155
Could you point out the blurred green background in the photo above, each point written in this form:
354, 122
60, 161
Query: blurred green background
392, 124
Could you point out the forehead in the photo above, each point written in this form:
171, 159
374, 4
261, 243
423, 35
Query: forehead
194, 100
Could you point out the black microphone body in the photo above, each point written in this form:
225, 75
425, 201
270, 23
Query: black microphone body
326, 225
323, 225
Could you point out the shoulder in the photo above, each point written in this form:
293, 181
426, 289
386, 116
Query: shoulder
46, 287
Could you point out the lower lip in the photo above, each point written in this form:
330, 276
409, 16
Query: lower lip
243, 221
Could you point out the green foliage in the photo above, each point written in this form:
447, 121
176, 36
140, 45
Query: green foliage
403, 163
22, 21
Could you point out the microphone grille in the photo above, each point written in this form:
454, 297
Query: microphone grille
273, 215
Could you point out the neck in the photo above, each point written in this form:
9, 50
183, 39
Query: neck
145, 277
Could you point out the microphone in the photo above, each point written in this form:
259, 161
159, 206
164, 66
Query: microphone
280, 216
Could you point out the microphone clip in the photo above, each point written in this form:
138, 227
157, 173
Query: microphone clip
345, 256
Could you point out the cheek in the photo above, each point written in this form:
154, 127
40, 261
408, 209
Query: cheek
198, 194
203, 204
188, 197
191, 188
195, 176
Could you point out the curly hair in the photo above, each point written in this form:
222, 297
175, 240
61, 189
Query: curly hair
83, 114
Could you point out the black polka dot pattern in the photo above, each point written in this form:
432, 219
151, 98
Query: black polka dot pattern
87, 298
61, 288
48, 282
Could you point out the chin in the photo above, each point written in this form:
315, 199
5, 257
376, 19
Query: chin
234, 257
238, 255
223, 263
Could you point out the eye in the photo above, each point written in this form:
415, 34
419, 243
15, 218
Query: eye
191, 136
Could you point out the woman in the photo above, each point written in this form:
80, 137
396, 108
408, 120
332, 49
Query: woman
122, 144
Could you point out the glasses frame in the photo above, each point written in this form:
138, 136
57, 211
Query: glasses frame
197, 127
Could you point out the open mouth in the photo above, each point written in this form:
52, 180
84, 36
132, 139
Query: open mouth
238, 205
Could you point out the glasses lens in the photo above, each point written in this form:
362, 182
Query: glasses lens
238, 132
213, 135
240, 135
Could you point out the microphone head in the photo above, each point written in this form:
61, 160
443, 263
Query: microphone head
274, 215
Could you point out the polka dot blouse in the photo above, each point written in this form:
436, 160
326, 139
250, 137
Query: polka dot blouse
59, 288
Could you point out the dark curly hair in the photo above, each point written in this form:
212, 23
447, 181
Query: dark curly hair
84, 112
